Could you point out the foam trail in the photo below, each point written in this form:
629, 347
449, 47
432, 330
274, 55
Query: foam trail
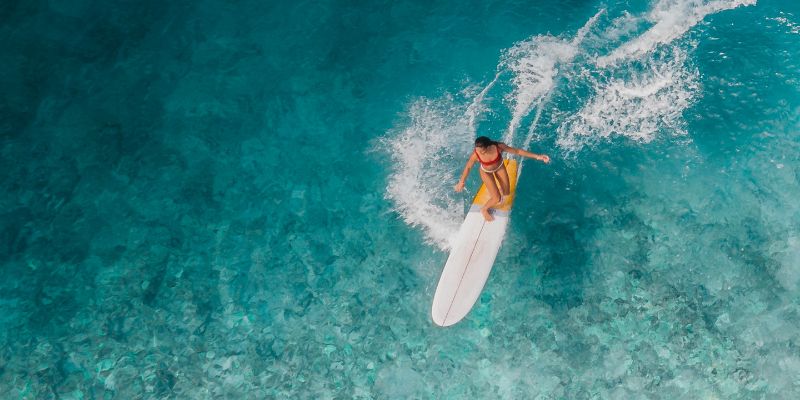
671, 19
642, 88
423, 152
793, 26
575, 43
534, 65
581, 34
475, 108
531, 133
532, 130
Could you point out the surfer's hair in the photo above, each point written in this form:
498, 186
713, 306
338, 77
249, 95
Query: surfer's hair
483, 141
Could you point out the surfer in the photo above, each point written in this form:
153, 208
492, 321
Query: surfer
490, 155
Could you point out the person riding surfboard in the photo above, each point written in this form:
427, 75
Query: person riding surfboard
489, 154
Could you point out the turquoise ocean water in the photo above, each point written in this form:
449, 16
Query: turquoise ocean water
250, 199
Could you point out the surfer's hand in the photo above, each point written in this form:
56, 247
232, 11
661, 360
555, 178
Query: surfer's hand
545, 159
459, 186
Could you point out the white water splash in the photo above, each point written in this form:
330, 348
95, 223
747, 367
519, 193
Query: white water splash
421, 185
671, 19
621, 27
438, 132
534, 64
642, 87
477, 107
637, 107
783, 20
526, 144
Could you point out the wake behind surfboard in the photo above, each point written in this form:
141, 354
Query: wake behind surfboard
472, 256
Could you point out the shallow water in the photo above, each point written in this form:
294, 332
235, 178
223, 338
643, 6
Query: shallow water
254, 200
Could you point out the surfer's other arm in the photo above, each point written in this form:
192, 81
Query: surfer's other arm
460, 185
513, 150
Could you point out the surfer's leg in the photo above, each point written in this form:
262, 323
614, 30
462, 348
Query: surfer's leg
502, 177
494, 192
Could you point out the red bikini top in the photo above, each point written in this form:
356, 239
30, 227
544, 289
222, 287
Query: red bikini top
486, 163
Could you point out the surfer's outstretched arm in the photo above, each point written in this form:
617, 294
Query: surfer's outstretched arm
513, 150
460, 185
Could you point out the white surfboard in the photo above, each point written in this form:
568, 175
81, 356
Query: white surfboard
472, 256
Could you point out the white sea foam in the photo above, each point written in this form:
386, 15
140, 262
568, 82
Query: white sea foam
671, 19
534, 65
637, 107
793, 26
421, 183
531, 135
643, 86
477, 106
586, 28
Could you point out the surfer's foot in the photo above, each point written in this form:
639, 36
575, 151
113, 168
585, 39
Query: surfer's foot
486, 214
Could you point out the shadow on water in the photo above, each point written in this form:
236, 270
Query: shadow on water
565, 208
563, 257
